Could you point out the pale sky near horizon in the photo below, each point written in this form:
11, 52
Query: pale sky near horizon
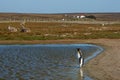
59, 6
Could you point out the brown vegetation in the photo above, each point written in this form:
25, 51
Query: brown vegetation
58, 30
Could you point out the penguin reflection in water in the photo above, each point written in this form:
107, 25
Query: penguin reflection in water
80, 57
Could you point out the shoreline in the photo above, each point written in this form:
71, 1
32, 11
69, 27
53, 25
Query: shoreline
59, 41
105, 66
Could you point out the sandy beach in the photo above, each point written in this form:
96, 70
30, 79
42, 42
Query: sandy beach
105, 66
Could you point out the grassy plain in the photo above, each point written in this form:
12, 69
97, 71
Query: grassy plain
59, 30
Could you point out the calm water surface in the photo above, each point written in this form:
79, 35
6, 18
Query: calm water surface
44, 62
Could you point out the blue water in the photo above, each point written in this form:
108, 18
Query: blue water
44, 62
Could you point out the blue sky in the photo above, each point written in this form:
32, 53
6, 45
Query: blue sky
59, 6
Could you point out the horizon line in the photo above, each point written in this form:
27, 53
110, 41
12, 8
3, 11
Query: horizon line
57, 13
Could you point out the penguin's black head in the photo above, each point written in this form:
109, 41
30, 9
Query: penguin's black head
78, 49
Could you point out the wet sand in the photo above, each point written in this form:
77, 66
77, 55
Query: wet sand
105, 66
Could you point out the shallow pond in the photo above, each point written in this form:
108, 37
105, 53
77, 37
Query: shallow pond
44, 62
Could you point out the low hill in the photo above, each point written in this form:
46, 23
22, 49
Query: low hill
66, 16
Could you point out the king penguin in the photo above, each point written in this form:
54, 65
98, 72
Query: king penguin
80, 57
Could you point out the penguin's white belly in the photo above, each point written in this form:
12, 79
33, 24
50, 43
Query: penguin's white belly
81, 62
78, 55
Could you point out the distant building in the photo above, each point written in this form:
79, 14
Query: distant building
77, 17
82, 16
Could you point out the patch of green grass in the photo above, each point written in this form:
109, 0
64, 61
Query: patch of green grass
2, 79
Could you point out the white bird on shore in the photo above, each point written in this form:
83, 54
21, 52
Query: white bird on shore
80, 57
